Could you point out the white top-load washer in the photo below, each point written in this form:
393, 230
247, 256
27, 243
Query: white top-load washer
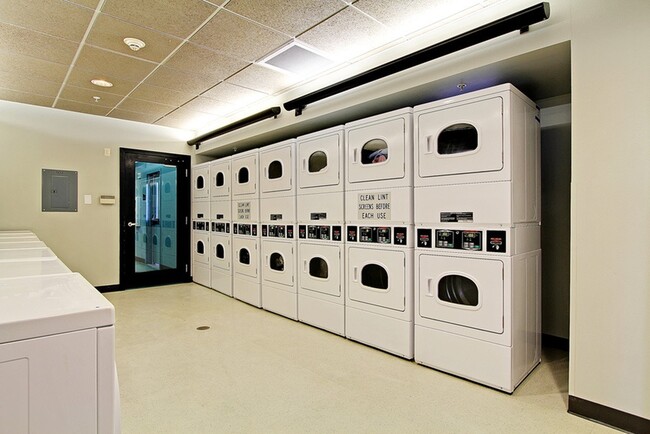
29, 253
477, 158
57, 357
11, 245
39, 266
17, 237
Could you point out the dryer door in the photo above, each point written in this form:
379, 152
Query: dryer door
278, 262
377, 151
221, 179
277, 169
377, 277
320, 162
201, 248
462, 139
200, 182
320, 268
465, 291
244, 175
221, 248
246, 256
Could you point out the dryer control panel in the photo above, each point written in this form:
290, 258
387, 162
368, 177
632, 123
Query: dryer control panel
378, 235
277, 231
244, 229
320, 232
468, 239
200, 225
221, 227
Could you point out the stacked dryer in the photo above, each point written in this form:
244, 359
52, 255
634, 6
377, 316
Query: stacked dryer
379, 232
201, 224
477, 196
245, 228
220, 226
278, 221
321, 252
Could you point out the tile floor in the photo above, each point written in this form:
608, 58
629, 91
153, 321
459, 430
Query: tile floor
254, 371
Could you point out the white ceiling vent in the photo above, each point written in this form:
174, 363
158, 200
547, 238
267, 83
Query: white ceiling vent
298, 59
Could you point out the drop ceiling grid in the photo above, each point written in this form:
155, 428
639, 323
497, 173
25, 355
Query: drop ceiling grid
200, 55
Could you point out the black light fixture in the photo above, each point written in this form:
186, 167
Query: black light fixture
518, 21
268, 113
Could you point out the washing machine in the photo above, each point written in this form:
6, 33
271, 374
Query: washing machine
18, 237
35, 252
477, 159
201, 182
278, 224
245, 228
38, 266
321, 249
11, 245
478, 301
57, 357
379, 232
201, 272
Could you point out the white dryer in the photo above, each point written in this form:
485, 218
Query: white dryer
201, 182
477, 159
201, 243
221, 246
478, 302
220, 179
278, 221
321, 250
246, 235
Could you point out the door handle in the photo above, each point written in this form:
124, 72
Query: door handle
131, 224
304, 266
429, 292
430, 141
355, 274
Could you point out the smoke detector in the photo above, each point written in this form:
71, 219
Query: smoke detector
134, 44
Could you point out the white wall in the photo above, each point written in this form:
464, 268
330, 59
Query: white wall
35, 138
610, 203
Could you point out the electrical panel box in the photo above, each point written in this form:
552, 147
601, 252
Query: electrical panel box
59, 191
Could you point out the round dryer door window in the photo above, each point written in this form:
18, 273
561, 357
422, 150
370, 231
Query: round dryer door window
318, 268
458, 290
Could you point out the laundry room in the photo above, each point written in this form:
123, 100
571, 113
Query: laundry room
423, 221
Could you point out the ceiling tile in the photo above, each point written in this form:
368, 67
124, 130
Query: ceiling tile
238, 37
179, 17
199, 60
161, 95
81, 78
41, 46
347, 35
407, 16
263, 79
82, 95
20, 65
236, 95
25, 83
26, 98
109, 33
92, 4
81, 107
209, 105
288, 16
112, 64
187, 119
181, 81
47, 16
133, 116
148, 107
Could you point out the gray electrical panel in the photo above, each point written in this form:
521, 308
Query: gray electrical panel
59, 190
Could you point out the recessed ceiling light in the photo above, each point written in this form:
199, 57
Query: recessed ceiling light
101, 83
97, 98
297, 58
134, 44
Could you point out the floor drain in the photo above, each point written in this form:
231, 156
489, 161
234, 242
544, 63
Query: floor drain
203, 328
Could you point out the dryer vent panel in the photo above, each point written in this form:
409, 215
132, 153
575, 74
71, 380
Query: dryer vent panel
59, 191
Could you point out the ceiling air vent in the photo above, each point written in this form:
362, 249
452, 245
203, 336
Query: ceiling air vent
298, 59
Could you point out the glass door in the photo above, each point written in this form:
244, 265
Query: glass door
154, 218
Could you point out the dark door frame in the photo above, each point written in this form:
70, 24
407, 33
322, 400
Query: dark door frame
128, 277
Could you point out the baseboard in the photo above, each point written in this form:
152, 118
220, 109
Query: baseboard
608, 416
555, 342
108, 288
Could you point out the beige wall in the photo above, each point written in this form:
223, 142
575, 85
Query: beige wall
610, 204
36, 138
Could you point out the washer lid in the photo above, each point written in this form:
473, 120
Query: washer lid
31, 267
21, 244
34, 252
37, 306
